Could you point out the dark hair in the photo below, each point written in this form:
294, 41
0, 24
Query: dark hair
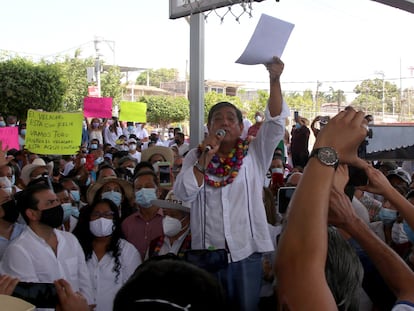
222, 105
170, 279
141, 165
147, 172
25, 199
86, 238
103, 167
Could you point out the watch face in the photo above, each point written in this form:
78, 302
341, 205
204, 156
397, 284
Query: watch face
328, 156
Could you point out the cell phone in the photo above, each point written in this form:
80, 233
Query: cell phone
42, 295
165, 173
296, 115
284, 195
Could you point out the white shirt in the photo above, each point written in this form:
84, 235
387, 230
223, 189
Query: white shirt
31, 259
136, 155
235, 214
403, 306
111, 137
16, 231
142, 133
182, 149
103, 277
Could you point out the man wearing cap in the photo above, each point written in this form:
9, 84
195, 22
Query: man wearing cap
176, 226
37, 169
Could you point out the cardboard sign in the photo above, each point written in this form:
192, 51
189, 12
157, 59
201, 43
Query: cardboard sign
53, 132
9, 136
97, 107
133, 112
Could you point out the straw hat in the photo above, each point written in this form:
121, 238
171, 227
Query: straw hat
172, 202
166, 152
124, 184
29, 168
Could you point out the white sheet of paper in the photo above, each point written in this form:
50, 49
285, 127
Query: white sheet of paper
269, 39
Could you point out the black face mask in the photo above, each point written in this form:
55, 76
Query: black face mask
11, 212
177, 141
52, 217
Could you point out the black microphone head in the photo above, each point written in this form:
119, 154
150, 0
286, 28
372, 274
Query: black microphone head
221, 132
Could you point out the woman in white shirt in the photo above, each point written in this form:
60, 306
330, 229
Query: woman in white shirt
112, 132
110, 259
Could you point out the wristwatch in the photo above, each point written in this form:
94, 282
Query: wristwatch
326, 155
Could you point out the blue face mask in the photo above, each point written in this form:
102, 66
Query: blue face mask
2, 124
388, 216
408, 231
94, 146
67, 211
75, 212
23, 132
145, 196
298, 126
130, 128
114, 196
75, 195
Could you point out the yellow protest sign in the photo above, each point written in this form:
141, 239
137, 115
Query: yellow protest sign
53, 132
133, 111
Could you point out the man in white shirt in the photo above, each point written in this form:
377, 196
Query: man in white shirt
182, 146
42, 253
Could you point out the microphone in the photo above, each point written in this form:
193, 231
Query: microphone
220, 133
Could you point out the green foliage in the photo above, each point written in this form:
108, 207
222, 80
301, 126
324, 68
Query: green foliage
74, 76
370, 94
157, 76
111, 84
25, 85
164, 110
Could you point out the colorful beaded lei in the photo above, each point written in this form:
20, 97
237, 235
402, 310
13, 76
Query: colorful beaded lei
227, 168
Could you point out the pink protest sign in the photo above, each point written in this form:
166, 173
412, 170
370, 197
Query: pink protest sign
97, 107
9, 137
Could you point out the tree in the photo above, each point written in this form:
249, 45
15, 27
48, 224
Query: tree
74, 75
163, 110
212, 98
25, 85
157, 76
370, 94
111, 84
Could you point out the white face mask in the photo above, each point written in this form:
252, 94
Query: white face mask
101, 227
171, 226
6, 185
258, 119
277, 170
132, 147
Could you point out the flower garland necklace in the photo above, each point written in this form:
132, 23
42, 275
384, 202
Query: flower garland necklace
228, 167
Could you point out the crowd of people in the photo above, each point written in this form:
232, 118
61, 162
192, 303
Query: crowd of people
136, 222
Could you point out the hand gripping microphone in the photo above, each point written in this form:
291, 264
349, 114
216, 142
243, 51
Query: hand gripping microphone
220, 133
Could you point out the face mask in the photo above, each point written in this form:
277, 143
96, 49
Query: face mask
298, 126
67, 211
82, 161
52, 217
12, 125
11, 212
98, 161
130, 128
94, 146
258, 119
145, 196
388, 216
171, 226
7, 184
278, 170
132, 147
114, 196
2, 124
23, 132
124, 148
110, 122
75, 212
75, 195
408, 231
101, 227
95, 125
170, 135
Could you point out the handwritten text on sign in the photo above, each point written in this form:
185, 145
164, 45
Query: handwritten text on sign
53, 133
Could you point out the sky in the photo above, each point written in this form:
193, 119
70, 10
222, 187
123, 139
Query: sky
337, 42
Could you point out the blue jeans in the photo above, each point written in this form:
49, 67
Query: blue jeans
241, 281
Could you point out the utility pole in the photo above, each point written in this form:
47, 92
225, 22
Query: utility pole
97, 43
